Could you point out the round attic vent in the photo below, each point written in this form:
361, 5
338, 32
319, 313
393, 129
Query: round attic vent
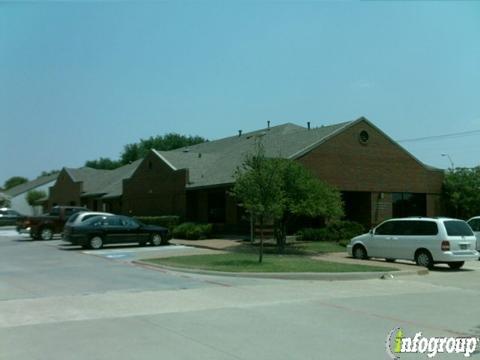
363, 137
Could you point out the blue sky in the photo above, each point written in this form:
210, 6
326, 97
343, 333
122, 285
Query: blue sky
81, 79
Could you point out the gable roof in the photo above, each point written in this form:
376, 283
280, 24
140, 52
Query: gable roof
31, 185
214, 163
102, 182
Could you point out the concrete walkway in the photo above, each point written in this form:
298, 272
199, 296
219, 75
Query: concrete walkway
213, 244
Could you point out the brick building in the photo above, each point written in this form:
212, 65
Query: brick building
99, 190
377, 177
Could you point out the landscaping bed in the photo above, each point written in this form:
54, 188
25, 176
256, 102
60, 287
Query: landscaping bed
243, 262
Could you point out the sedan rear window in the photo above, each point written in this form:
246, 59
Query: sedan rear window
457, 228
72, 218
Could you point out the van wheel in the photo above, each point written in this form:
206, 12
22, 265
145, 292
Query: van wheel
359, 252
424, 258
389, 260
456, 265
96, 242
46, 234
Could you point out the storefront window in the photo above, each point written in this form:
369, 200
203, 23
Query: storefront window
409, 204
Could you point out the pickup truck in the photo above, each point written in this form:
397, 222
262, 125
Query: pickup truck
45, 226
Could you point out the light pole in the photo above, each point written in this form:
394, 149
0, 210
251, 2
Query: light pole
450, 159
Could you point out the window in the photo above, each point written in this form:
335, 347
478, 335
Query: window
112, 221
457, 228
409, 204
474, 224
128, 222
424, 228
386, 228
408, 228
74, 217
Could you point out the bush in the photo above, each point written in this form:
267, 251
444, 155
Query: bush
169, 222
337, 231
192, 231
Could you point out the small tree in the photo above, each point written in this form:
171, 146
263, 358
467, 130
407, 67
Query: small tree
4, 200
258, 186
33, 196
461, 192
14, 181
280, 189
304, 195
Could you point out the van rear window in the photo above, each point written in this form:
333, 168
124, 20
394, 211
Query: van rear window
457, 228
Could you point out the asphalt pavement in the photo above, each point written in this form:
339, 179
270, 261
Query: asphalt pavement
60, 302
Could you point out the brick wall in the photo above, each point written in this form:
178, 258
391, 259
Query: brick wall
65, 191
378, 166
155, 189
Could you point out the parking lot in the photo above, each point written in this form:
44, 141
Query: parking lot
62, 302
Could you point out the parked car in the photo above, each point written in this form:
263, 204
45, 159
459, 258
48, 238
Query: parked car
99, 230
475, 225
427, 241
9, 216
80, 217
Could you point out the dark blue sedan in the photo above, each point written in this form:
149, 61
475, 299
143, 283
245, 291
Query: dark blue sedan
117, 229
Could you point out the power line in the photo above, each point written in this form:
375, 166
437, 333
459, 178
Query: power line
445, 136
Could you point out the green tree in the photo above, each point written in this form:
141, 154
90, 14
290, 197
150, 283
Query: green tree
171, 141
14, 181
304, 195
4, 200
280, 190
461, 192
48, 173
33, 196
258, 186
103, 163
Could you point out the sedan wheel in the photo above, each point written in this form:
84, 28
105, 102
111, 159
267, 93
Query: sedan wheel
156, 240
46, 234
96, 242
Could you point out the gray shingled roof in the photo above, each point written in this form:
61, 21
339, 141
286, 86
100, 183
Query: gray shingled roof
214, 163
103, 182
115, 187
31, 185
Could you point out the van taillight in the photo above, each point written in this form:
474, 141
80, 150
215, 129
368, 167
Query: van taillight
445, 245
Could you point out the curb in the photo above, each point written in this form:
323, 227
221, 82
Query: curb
289, 276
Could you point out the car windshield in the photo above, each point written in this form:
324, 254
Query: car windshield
457, 228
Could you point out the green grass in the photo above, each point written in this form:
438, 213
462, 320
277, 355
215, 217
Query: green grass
241, 262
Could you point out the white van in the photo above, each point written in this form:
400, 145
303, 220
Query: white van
427, 241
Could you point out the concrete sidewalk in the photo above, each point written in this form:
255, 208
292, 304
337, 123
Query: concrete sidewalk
213, 244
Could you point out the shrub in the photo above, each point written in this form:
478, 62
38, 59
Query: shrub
192, 231
169, 222
337, 231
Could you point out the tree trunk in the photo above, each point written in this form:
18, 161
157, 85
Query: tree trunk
280, 235
260, 254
